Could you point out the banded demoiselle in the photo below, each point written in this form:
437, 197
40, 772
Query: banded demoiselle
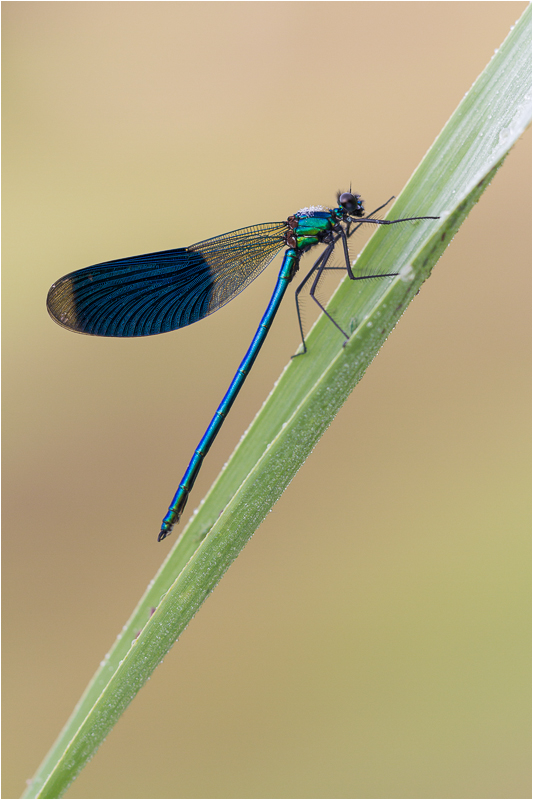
160, 292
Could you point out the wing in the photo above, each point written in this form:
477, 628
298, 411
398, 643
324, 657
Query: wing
160, 292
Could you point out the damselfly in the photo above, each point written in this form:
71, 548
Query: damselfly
160, 292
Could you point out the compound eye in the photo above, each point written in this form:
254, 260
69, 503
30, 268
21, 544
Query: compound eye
352, 204
347, 200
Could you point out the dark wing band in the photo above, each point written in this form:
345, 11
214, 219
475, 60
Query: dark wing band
160, 292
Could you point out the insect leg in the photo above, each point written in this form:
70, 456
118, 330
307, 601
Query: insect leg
320, 270
350, 233
353, 277
323, 256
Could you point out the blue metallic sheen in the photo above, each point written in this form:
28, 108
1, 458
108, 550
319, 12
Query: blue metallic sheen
288, 267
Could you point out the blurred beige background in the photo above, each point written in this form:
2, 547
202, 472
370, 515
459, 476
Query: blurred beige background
372, 640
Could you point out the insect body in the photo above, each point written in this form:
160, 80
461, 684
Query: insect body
163, 291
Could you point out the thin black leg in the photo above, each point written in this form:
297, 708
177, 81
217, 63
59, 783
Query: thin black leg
375, 211
321, 267
322, 263
346, 254
353, 277
390, 221
315, 284
323, 256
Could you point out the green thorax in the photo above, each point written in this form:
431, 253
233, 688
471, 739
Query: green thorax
309, 226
